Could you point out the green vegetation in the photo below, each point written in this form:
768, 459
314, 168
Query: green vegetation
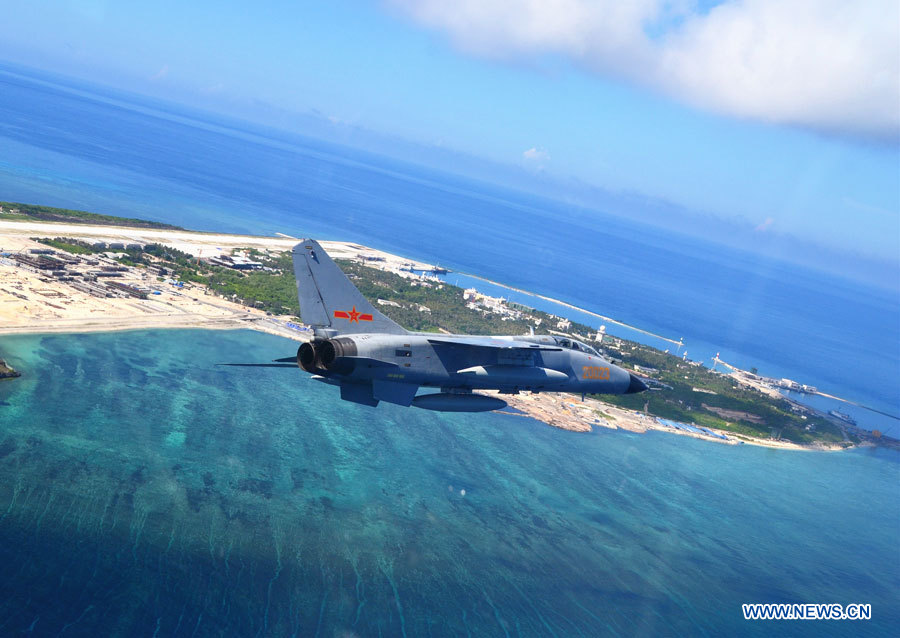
692, 393
273, 291
446, 308
79, 248
31, 212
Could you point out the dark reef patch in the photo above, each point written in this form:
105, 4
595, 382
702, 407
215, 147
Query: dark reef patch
245, 505
7, 447
261, 487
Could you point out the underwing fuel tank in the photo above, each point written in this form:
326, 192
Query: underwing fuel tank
515, 375
449, 402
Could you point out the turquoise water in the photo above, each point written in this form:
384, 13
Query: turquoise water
145, 491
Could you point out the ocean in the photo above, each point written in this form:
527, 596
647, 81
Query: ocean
144, 491
77, 146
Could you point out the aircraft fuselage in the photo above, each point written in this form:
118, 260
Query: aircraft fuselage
397, 364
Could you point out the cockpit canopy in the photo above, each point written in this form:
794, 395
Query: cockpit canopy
572, 344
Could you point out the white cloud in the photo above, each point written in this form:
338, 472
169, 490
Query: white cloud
764, 226
827, 65
535, 154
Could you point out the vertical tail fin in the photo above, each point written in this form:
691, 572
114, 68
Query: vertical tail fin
329, 300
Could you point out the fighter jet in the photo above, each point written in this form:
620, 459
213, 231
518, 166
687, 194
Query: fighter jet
371, 358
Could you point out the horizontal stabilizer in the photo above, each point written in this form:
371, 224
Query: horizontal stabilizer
328, 380
394, 391
358, 393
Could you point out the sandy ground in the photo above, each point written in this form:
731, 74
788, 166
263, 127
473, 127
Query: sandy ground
569, 412
31, 302
195, 243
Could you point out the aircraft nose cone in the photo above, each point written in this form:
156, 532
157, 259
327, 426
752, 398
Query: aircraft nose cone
635, 385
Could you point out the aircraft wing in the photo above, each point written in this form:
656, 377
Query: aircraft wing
491, 342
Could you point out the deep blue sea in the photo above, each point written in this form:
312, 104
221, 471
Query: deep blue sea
146, 492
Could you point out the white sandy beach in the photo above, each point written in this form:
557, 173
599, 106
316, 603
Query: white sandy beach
198, 244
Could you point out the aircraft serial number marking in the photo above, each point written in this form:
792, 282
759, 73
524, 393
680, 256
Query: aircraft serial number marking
595, 372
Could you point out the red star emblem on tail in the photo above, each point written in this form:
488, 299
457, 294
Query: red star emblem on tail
353, 316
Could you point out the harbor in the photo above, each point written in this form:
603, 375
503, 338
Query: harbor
785, 387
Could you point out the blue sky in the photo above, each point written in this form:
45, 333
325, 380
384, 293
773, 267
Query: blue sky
564, 92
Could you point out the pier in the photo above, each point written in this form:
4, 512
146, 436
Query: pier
773, 387
564, 304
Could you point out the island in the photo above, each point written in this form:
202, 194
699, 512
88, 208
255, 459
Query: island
65, 271
7, 371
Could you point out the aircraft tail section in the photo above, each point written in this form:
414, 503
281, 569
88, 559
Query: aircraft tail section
329, 300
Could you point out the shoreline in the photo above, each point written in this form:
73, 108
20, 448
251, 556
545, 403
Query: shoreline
574, 307
27, 309
553, 409
569, 412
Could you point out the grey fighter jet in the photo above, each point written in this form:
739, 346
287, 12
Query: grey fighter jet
371, 358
